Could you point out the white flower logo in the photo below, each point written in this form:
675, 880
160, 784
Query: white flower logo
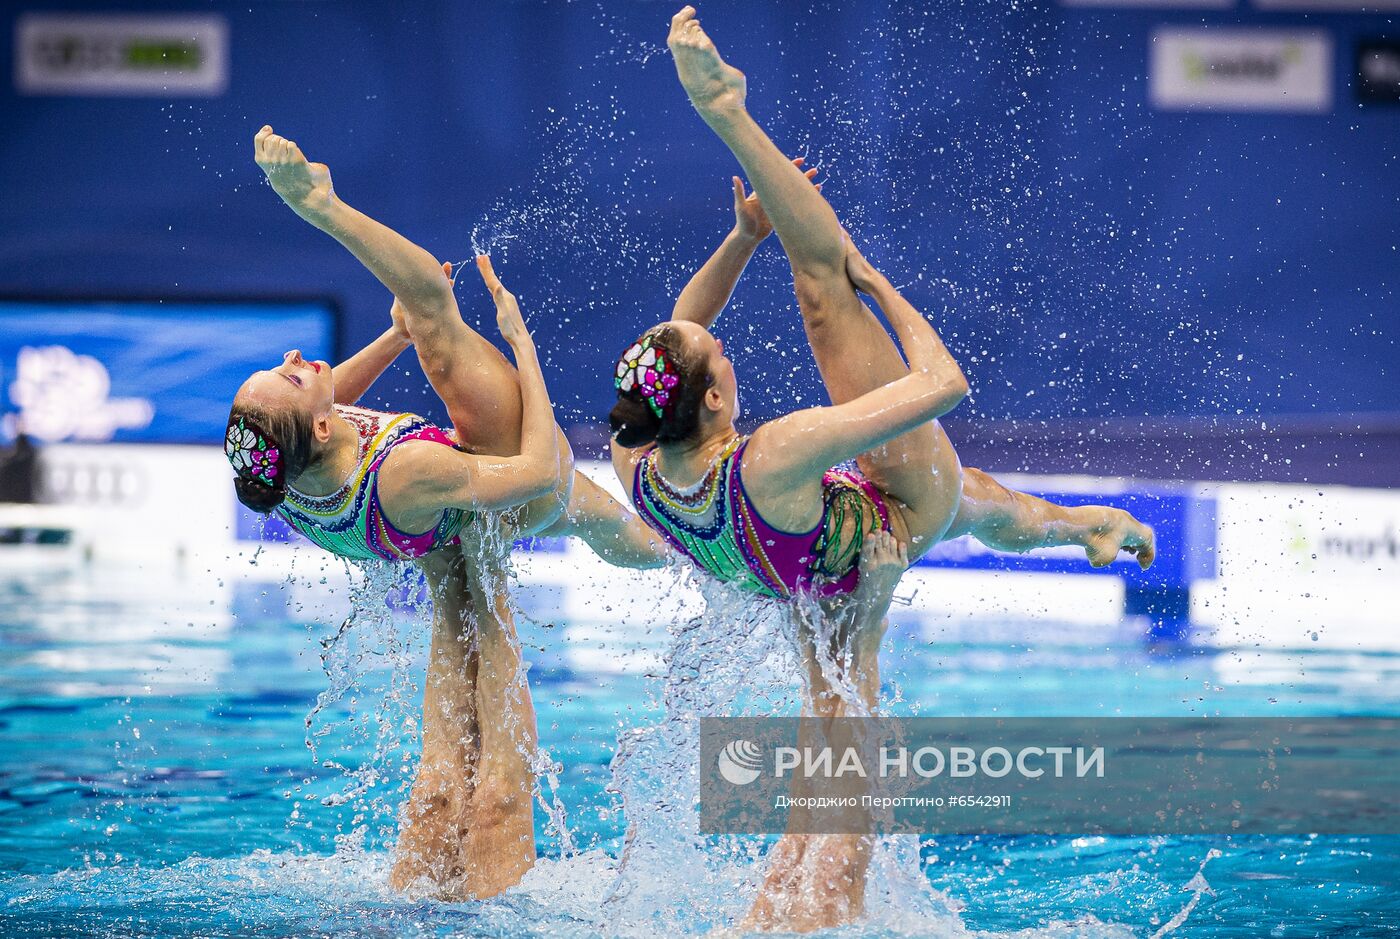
635, 361
238, 446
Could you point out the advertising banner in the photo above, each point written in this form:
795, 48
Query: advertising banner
106, 54
1241, 70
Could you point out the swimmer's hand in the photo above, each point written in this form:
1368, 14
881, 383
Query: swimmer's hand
508, 318
750, 221
862, 273
400, 321
713, 86
303, 185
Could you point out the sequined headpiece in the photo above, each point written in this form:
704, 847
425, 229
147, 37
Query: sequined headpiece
649, 369
253, 454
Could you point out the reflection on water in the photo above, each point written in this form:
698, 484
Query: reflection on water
153, 772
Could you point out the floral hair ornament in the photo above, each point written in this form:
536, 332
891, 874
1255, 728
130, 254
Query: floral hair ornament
648, 368
253, 454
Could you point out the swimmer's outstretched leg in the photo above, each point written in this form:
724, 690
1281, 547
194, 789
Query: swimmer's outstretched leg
439, 804
479, 388
854, 353
477, 384
471, 376
475, 381
818, 881
1008, 520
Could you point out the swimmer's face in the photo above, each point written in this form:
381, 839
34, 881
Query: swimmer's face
296, 385
722, 397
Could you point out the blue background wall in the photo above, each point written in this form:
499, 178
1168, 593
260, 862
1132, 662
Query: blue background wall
1087, 256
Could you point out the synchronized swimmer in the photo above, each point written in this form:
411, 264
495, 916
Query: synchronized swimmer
774, 513
368, 485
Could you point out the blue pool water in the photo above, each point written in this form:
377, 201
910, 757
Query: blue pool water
155, 780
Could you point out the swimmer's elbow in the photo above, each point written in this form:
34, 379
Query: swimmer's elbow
943, 392
540, 479
956, 389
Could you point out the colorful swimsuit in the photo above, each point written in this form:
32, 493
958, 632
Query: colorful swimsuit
350, 522
716, 525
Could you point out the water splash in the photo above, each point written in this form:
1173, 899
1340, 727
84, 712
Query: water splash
737, 658
374, 663
1196, 885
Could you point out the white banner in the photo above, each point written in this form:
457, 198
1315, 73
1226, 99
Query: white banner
1304, 565
1241, 70
106, 54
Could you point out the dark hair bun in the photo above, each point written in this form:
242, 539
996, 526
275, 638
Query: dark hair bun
633, 423
258, 496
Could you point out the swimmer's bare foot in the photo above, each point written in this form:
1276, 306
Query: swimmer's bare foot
1119, 531
714, 87
883, 561
303, 185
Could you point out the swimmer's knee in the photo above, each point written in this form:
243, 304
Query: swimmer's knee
498, 803
435, 802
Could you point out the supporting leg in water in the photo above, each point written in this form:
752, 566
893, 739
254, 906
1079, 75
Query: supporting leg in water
468, 829
817, 881
499, 847
437, 814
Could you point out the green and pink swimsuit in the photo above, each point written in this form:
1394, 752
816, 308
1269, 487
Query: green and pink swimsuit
716, 525
350, 522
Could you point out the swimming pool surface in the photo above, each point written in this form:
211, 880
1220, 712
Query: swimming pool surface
155, 780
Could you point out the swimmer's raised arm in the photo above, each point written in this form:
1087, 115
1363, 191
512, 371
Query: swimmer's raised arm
412, 274
806, 443
539, 438
708, 292
353, 377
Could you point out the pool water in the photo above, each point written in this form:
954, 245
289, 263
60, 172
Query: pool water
155, 778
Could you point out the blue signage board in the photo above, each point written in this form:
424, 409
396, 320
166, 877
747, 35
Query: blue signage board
144, 371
